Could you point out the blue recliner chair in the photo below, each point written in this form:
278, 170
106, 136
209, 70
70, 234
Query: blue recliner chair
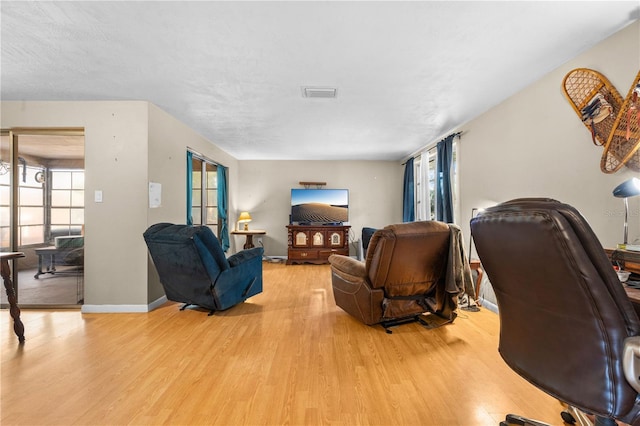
194, 270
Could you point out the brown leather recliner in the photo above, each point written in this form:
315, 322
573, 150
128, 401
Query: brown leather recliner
566, 323
410, 269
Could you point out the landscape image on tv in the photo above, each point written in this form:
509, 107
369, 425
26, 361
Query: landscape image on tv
319, 205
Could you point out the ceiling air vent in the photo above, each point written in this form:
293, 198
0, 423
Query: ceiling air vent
319, 92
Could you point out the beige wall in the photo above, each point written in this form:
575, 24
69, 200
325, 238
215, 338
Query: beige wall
169, 140
375, 194
115, 163
533, 144
127, 144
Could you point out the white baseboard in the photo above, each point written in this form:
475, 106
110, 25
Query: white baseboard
158, 302
489, 305
114, 309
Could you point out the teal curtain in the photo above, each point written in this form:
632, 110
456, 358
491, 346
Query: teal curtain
408, 202
189, 187
222, 208
444, 190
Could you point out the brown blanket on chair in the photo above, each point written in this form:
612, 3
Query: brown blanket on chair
457, 280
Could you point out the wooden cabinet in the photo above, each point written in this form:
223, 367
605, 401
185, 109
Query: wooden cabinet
314, 244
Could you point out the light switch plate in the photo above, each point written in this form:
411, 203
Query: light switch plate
98, 196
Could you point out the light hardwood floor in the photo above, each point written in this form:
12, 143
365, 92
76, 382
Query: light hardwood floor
288, 356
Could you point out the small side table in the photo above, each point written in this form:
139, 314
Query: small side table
18, 327
475, 265
249, 236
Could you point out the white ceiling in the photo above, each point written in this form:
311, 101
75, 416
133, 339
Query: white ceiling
407, 73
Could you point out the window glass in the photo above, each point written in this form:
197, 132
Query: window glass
197, 198
29, 178
212, 197
77, 216
61, 180
31, 215
212, 215
31, 235
204, 194
78, 180
77, 198
212, 176
197, 215
67, 202
4, 237
60, 216
431, 180
30, 196
5, 194
60, 198
4, 215
59, 230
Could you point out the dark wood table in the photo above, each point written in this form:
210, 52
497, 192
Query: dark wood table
249, 236
14, 310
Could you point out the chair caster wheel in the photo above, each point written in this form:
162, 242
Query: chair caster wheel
568, 418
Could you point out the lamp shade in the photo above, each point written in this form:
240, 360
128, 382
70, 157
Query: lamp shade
244, 217
628, 188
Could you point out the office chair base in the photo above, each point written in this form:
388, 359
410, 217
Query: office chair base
515, 420
571, 415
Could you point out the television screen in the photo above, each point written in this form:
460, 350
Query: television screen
319, 206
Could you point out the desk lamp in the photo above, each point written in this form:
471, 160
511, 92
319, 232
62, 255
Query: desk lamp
628, 188
245, 218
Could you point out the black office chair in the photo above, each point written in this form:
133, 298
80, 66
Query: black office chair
566, 323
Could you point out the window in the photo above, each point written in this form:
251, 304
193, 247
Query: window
31, 224
204, 193
63, 190
425, 178
67, 202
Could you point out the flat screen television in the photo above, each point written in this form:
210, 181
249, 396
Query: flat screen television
319, 206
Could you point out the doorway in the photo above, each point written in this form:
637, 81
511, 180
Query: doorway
42, 214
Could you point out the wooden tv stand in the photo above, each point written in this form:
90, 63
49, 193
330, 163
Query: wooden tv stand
315, 243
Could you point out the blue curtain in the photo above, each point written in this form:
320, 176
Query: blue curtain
222, 208
189, 187
408, 206
444, 195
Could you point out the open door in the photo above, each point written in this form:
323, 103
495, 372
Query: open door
42, 206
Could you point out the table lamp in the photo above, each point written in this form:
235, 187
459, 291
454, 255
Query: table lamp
245, 218
628, 188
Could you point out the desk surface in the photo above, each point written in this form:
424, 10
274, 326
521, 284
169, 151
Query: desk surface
633, 293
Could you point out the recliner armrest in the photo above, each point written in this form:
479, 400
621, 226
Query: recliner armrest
631, 361
348, 265
245, 255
